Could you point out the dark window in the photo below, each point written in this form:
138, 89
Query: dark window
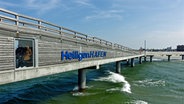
24, 50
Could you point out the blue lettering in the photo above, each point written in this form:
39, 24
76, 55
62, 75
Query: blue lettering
80, 56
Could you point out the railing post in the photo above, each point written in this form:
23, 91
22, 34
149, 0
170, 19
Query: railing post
17, 20
61, 34
75, 37
86, 38
39, 24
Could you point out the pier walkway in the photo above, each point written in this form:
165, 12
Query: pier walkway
31, 48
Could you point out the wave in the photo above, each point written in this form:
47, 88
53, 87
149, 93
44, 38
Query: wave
137, 102
76, 88
83, 94
149, 83
116, 78
157, 59
113, 89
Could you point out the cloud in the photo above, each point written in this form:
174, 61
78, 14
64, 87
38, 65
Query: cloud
147, 4
42, 6
5, 4
83, 3
115, 14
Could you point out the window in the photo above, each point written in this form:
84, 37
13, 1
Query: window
24, 51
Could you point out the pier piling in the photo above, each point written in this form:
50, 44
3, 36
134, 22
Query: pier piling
81, 79
144, 58
118, 67
151, 58
132, 62
182, 55
169, 57
128, 61
140, 60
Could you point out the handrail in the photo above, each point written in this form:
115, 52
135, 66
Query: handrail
22, 20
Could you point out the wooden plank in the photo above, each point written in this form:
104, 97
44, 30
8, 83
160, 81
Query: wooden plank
5, 66
6, 53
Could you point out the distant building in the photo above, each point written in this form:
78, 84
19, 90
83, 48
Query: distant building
168, 49
180, 48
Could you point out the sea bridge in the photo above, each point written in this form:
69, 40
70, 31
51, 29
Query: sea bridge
31, 48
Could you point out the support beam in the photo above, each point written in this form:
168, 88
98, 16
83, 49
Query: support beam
118, 67
140, 60
132, 62
81, 79
169, 57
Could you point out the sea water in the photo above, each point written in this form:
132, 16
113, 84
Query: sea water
158, 82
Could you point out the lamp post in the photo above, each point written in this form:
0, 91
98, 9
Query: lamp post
145, 47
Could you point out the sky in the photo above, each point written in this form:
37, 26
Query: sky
126, 22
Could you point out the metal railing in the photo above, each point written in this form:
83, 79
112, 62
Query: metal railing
16, 19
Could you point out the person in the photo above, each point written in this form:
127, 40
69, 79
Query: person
27, 58
24, 57
28, 54
20, 51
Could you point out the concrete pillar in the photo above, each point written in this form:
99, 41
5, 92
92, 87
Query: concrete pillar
81, 79
169, 57
182, 57
132, 62
128, 61
140, 60
144, 58
118, 67
151, 58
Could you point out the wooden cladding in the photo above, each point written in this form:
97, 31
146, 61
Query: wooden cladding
6, 53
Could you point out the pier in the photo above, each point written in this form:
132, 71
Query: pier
164, 55
31, 48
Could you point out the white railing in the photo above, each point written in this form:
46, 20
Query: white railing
16, 19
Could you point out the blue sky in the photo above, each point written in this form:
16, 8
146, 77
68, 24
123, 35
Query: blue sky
127, 22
